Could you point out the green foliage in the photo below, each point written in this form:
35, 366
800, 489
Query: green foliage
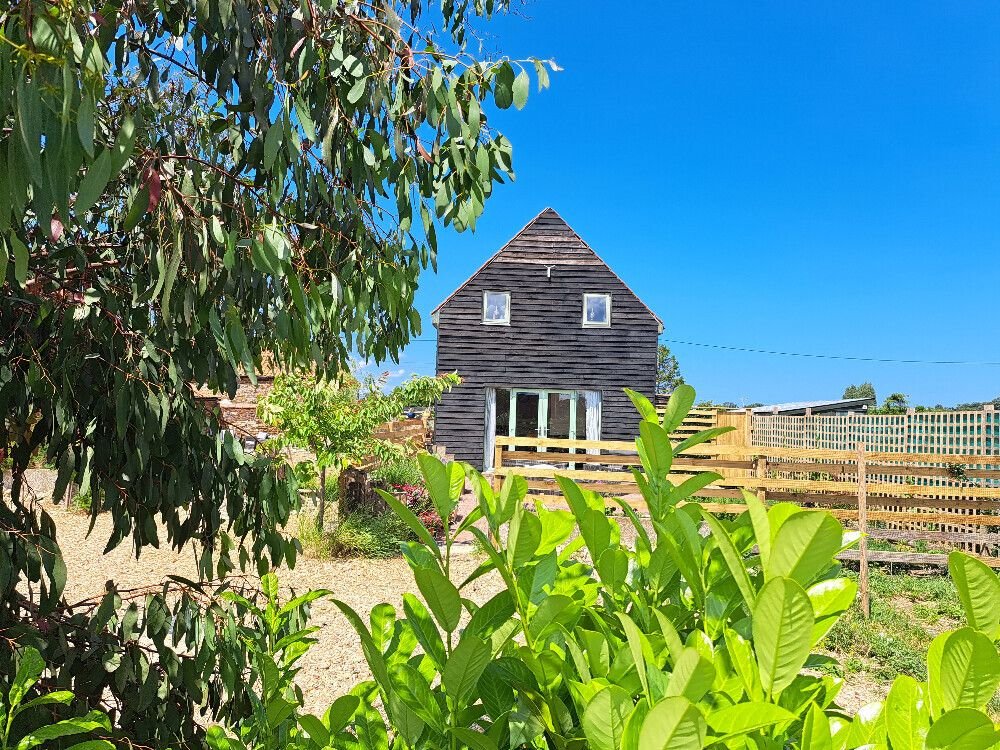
864, 390
682, 641
365, 535
25, 724
397, 470
186, 190
668, 371
337, 420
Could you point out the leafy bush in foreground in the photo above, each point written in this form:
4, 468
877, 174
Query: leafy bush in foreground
685, 641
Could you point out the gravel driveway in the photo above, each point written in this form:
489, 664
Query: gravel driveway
334, 664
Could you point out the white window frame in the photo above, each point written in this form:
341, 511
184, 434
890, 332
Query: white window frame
591, 324
505, 321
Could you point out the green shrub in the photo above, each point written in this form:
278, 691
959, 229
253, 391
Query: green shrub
397, 470
364, 535
685, 641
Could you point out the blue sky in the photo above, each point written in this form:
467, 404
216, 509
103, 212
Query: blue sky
805, 177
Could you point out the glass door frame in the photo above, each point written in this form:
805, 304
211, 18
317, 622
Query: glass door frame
543, 411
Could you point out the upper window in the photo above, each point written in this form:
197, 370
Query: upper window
596, 310
496, 308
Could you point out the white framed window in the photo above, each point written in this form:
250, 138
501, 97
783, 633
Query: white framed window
496, 308
596, 310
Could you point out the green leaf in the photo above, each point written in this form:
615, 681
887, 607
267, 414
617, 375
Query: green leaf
643, 405
20, 259
655, 444
743, 718
734, 560
441, 596
830, 599
520, 89
805, 546
272, 143
475, 740
305, 120
678, 406
66, 728
444, 483
816, 733
692, 677
376, 662
604, 718
673, 724
423, 626
93, 183
464, 667
761, 527
782, 633
979, 590
85, 124
969, 670
907, 716
962, 729
29, 668
503, 86
413, 690
635, 643
700, 437
524, 535
408, 517
491, 615
340, 712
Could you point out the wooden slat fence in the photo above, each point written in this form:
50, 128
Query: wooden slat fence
901, 505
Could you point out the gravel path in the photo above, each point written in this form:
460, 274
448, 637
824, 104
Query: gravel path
334, 664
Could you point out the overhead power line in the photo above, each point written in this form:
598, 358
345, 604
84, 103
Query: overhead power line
810, 355
834, 356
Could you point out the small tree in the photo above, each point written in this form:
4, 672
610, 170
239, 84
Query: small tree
865, 390
336, 420
668, 371
896, 403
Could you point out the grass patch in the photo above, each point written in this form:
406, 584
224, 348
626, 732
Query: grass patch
357, 535
907, 612
362, 535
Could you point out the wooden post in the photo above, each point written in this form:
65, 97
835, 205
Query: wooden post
761, 474
497, 462
863, 529
748, 428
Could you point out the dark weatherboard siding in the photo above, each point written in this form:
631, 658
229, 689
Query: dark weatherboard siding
546, 269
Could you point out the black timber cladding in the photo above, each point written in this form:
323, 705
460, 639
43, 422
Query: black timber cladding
546, 269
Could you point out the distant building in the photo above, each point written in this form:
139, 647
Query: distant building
835, 407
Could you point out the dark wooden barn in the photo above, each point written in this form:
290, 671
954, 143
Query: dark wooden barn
545, 337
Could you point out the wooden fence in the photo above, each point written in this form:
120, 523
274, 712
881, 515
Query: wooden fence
933, 498
958, 432
413, 432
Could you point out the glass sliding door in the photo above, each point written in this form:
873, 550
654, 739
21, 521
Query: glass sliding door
526, 414
541, 413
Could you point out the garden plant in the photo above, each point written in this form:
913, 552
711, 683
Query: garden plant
704, 634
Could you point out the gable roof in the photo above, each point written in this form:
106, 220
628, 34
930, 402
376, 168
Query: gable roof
545, 240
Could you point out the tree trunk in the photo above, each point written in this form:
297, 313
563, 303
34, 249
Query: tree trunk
322, 499
357, 494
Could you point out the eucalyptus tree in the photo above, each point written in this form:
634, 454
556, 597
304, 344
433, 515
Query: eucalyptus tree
188, 187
